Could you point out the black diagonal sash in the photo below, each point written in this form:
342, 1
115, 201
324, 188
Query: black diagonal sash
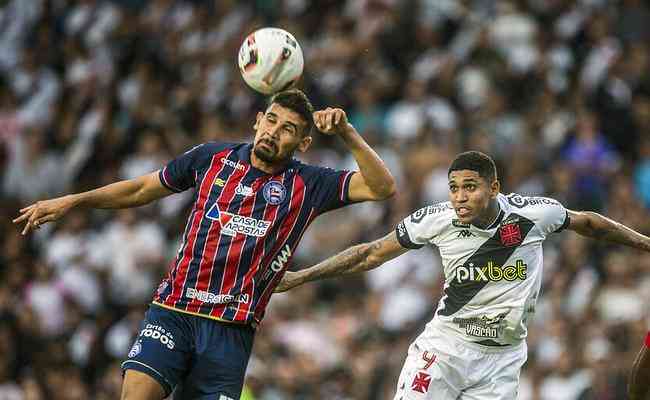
458, 294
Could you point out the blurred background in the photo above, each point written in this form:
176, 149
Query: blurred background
91, 92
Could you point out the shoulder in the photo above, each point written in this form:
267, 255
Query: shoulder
530, 202
211, 148
541, 210
425, 224
311, 172
201, 154
438, 211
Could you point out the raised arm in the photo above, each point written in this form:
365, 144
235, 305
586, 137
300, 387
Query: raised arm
362, 257
123, 194
596, 226
373, 181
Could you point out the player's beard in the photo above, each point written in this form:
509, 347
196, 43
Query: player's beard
270, 154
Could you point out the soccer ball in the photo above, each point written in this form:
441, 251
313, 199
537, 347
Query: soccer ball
270, 60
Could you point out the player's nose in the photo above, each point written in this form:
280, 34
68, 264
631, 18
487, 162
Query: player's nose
274, 131
460, 196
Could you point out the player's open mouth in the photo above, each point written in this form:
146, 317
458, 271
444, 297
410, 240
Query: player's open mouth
268, 143
463, 211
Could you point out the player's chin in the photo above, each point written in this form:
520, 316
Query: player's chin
266, 153
466, 218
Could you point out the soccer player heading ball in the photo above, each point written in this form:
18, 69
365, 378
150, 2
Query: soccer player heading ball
491, 247
253, 202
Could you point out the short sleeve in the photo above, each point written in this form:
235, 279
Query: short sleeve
180, 173
422, 226
548, 214
330, 188
554, 217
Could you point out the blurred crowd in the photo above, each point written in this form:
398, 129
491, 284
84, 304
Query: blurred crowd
91, 92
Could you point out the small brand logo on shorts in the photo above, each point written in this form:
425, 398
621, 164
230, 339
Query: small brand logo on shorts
421, 382
136, 349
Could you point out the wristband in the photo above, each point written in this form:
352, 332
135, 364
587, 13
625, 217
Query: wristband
647, 340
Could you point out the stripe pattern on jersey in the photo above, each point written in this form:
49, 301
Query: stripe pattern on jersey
457, 295
195, 233
241, 265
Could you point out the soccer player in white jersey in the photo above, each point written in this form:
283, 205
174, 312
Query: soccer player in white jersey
491, 249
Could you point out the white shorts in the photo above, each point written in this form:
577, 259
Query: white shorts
444, 367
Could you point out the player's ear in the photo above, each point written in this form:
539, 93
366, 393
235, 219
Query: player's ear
495, 188
304, 143
258, 118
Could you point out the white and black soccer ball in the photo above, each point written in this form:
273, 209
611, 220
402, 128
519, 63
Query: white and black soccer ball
270, 60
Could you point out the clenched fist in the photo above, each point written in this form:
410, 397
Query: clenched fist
331, 121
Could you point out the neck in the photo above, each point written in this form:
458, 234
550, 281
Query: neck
269, 168
489, 216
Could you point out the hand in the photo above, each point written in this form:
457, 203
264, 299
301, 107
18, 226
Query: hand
331, 121
42, 212
289, 281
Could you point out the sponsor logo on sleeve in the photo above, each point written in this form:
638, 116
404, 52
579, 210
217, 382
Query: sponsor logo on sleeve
519, 201
401, 230
417, 216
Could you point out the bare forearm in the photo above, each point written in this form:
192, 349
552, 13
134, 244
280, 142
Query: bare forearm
603, 228
375, 174
123, 194
354, 259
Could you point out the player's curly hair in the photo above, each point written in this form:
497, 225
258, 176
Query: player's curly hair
475, 161
297, 101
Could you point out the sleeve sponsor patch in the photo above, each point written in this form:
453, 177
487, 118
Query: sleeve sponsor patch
403, 237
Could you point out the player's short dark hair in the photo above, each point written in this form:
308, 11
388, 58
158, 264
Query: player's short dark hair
475, 161
296, 100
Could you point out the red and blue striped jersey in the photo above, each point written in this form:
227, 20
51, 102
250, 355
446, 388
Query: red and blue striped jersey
243, 229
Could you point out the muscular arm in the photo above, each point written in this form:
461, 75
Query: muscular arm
124, 194
362, 257
596, 226
374, 181
639, 381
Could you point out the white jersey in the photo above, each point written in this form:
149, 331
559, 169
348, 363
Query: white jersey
493, 275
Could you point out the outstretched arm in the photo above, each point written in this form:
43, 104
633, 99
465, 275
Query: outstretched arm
639, 381
123, 194
362, 257
373, 181
596, 226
